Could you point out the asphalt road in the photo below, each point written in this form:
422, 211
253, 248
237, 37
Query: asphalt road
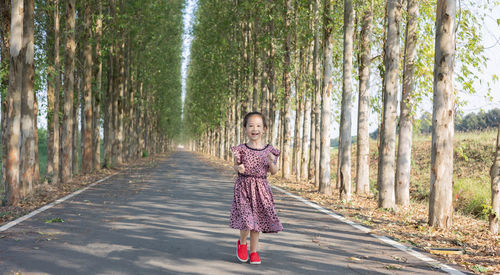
173, 219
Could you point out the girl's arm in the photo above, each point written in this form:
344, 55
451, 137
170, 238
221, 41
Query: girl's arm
238, 168
273, 168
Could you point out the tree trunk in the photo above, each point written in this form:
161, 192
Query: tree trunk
108, 113
317, 99
387, 148
495, 188
96, 104
69, 86
298, 116
287, 127
12, 195
326, 95
27, 152
403, 167
5, 19
121, 101
346, 120
57, 99
440, 201
87, 92
363, 142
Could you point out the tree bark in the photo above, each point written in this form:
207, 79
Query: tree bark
403, 167
315, 137
363, 142
346, 121
440, 201
387, 148
5, 18
28, 102
324, 166
87, 92
69, 86
96, 106
287, 127
57, 99
108, 112
495, 188
12, 180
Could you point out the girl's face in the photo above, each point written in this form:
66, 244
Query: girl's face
255, 128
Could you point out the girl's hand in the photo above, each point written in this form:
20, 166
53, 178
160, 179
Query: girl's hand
241, 168
270, 158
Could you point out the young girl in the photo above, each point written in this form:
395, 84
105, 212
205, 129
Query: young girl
253, 204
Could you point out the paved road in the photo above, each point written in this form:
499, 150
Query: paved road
173, 219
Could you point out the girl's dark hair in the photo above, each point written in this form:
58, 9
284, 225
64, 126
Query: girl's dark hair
247, 116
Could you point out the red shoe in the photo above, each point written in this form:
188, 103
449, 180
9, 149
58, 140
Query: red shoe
254, 258
241, 252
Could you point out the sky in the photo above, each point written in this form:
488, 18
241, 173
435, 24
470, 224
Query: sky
187, 38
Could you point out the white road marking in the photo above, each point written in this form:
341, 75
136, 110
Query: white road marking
48, 206
384, 239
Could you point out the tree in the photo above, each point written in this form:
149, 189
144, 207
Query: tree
5, 19
87, 91
440, 201
495, 188
12, 195
96, 100
345, 123
387, 147
53, 92
28, 101
326, 95
287, 127
403, 167
69, 85
363, 139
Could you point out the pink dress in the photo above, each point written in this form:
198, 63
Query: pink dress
253, 203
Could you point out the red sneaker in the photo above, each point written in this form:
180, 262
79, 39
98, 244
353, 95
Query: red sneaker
241, 252
254, 258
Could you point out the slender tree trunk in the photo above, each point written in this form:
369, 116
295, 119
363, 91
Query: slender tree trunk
387, 148
87, 92
12, 195
346, 120
440, 201
306, 129
5, 18
51, 75
363, 141
255, 67
96, 105
324, 165
403, 167
57, 96
298, 113
287, 127
495, 188
121, 96
28, 102
317, 98
69, 86
108, 113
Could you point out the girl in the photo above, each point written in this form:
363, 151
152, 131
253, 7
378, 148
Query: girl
253, 204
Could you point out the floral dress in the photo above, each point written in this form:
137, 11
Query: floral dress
253, 203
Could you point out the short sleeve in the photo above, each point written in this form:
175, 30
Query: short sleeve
276, 153
236, 153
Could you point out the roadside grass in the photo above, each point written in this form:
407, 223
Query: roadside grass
473, 157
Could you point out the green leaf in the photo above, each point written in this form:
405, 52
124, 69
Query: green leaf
54, 220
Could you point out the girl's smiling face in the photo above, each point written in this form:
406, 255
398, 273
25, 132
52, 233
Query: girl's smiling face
255, 128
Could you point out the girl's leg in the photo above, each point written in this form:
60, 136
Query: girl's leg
254, 241
243, 236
